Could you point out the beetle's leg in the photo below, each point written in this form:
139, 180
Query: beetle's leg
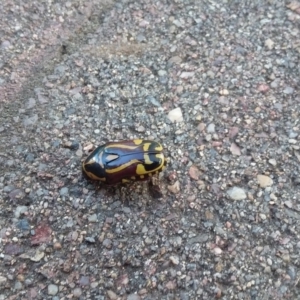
126, 192
154, 188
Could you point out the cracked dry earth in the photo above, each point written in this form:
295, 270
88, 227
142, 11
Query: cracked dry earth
217, 82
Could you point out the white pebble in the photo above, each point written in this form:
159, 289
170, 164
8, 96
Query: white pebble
236, 193
175, 115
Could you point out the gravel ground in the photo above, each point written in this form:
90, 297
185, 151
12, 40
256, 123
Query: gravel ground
217, 82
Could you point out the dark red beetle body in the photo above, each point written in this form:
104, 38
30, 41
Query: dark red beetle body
125, 161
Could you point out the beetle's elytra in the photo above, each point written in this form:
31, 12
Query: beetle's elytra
125, 161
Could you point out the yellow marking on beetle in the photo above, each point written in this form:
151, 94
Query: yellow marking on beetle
159, 147
140, 169
125, 180
148, 161
111, 157
142, 176
146, 147
132, 177
122, 167
121, 146
138, 141
94, 177
161, 157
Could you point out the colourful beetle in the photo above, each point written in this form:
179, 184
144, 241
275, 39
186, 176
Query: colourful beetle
125, 161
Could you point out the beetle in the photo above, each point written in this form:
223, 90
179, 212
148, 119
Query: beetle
125, 161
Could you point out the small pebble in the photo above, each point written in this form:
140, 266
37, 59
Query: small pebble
64, 191
20, 210
235, 149
175, 115
93, 218
263, 216
264, 181
112, 295
237, 193
288, 90
272, 162
194, 172
210, 128
174, 259
57, 246
18, 285
77, 292
270, 44
224, 92
23, 224
52, 289
186, 75
133, 297
175, 188
217, 251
